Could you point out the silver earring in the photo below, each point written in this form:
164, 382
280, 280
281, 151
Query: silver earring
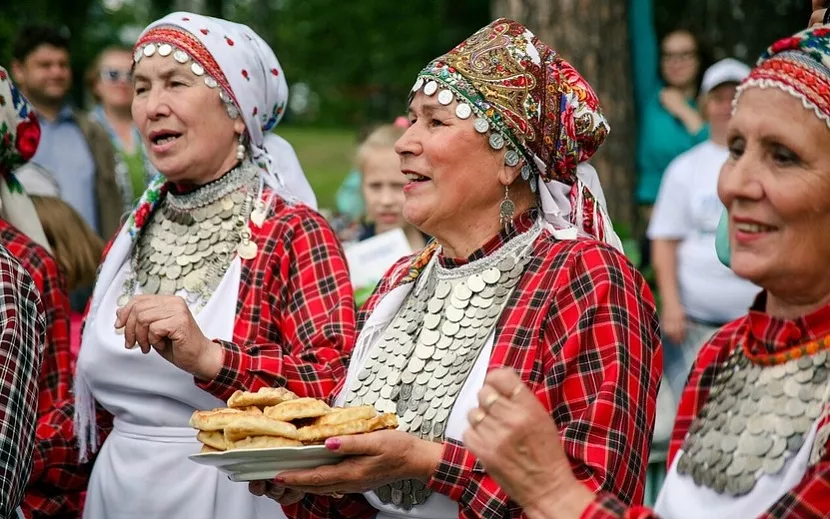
506, 210
240, 150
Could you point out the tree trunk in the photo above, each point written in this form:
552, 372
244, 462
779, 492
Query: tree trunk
593, 36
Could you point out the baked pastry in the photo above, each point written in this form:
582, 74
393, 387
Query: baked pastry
319, 433
266, 396
298, 409
263, 442
258, 425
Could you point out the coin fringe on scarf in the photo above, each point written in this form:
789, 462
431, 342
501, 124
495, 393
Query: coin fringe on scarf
423, 359
191, 239
757, 418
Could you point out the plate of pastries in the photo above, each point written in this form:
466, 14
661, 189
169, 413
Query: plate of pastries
258, 435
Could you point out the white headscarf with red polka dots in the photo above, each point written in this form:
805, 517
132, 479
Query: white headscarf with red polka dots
259, 90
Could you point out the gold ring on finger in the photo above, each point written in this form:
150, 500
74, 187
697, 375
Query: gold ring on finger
489, 401
516, 391
480, 418
336, 495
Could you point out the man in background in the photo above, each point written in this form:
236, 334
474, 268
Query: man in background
74, 148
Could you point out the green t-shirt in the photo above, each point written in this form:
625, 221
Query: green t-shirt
135, 168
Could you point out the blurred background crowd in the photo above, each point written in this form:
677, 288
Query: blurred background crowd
665, 72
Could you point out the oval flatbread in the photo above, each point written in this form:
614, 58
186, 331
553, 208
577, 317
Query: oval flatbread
297, 409
339, 415
207, 449
258, 425
263, 442
213, 439
215, 420
319, 433
266, 396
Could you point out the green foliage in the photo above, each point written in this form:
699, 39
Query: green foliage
326, 156
361, 57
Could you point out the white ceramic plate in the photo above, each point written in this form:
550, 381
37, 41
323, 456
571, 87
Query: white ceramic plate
254, 464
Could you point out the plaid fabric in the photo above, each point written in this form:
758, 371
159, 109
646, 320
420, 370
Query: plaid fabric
581, 330
294, 327
22, 340
56, 369
296, 312
811, 497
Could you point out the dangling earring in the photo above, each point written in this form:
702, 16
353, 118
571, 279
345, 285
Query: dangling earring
240, 150
506, 211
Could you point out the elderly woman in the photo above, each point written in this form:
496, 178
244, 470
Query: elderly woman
217, 248
498, 123
753, 430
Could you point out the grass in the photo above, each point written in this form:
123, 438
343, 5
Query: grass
326, 156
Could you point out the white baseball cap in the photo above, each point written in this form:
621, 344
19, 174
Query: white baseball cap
724, 71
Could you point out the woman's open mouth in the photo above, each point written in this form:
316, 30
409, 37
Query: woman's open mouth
414, 177
162, 140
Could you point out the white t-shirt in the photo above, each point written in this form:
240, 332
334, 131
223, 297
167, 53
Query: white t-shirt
688, 209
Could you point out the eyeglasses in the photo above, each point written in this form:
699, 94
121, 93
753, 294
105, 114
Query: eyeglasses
114, 75
680, 56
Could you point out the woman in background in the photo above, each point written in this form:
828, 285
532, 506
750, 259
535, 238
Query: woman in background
665, 88
109, 79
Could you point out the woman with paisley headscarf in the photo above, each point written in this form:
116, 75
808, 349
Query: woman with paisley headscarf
223, 276
752, 435
518, 276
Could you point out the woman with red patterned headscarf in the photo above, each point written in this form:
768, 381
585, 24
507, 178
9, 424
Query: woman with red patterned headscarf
752, 435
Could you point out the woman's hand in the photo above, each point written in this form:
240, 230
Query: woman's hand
673, 322
819, 8
675, 102
164, 323
373, 460
817, 18
280, 494
518, 444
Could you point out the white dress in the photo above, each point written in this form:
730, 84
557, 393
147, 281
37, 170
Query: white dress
142, 470
681, 498
437, 506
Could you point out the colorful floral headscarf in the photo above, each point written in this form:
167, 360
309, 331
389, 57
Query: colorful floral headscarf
19, 127
534, 103
19, 138
800, 66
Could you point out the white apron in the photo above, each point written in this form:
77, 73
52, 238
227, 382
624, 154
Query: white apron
437, 506
142, 470
681, 498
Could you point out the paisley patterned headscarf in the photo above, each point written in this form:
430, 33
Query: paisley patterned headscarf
800, 66
532, 102
19, 138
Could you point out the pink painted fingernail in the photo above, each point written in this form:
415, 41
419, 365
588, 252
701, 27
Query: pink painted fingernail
279, 481
333, 444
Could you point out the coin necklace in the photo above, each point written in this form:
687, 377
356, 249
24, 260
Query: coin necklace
755, 419
191, 238
423, 359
